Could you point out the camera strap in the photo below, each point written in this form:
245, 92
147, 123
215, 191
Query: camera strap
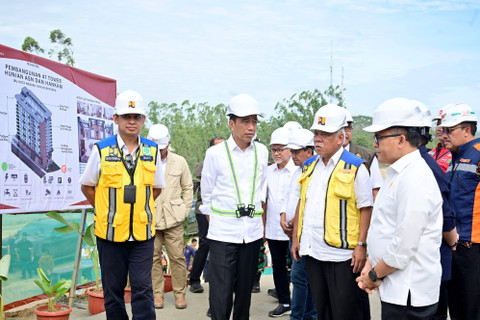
131, 165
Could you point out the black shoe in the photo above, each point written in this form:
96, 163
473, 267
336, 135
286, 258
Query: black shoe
272, 293
280, 311
208, 313
196, 288
256, 288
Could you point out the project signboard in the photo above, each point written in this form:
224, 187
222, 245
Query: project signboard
51, 116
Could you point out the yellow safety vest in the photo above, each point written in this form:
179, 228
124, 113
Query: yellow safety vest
341, 215
114, 219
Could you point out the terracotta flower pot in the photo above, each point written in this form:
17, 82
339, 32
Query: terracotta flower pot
168, 282
61, 312
96, 303
128, 295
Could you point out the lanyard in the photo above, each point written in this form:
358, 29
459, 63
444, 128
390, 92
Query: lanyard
130, 170
236, 187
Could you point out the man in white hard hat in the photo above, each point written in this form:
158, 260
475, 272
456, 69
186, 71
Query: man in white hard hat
301, 147
450, 235
332, 218
460, 126
279, 175
406, 226
121, 180
172, 208
440, 153
292, 125
233, 190
364, 153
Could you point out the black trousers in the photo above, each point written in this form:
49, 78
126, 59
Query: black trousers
116, 260
396, 312
203, 249
466, 282
335, 293
232, 269
279, 251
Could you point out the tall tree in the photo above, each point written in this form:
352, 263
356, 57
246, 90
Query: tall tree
62, 47
301, 108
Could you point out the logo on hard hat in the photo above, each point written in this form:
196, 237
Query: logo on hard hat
131, 104
321, 121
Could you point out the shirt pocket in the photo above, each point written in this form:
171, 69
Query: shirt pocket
112, 175
343, 185
149, 169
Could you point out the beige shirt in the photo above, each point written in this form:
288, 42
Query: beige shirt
170, 209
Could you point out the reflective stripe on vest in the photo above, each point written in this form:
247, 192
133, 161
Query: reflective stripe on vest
236, 187
340, 203
116, 220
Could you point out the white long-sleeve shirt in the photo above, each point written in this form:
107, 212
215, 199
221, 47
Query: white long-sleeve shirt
406, 232
292, 199
278, 183
218, 191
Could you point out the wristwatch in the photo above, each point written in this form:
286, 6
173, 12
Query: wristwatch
372, 275
363, 244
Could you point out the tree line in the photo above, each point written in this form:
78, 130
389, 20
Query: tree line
192, 125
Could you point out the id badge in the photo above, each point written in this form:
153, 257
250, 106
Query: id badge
129, 193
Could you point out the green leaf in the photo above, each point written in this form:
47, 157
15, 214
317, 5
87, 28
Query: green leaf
4, 267
58, 285
55, 215
42, 286
89, 238
70, 228
43, 276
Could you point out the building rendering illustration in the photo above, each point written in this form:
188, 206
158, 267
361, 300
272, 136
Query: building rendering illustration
32, 142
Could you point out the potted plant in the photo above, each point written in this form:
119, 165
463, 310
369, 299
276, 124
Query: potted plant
4, 267
53, 292
95, 294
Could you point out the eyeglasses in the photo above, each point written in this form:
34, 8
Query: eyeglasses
349, 128
277, 150
136, 117
378, 138
449, 130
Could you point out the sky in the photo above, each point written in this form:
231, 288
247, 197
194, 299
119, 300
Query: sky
210, 50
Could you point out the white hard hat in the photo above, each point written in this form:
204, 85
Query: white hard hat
159, 134
441, 112
394, 112
329, 118
426, 115
458, 113
129, 102
300, 139
292, 125
280, 136
349, 116
243, 105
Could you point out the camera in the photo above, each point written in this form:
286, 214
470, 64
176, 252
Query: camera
245, 212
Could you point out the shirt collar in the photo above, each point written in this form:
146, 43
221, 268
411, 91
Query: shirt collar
290, 167
404, 161
121, 143
334, 159
233, 145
